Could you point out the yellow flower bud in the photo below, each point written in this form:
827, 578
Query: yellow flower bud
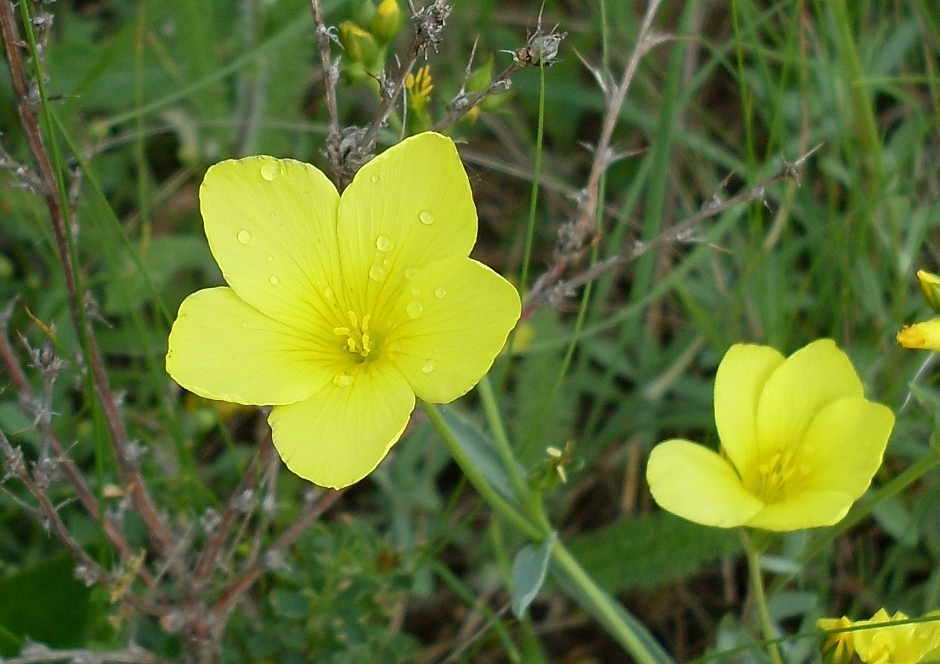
930, 284
924, 335
387, 21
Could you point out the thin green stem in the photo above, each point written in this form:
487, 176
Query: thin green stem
757, 585
605, 608
501, 438
499, 504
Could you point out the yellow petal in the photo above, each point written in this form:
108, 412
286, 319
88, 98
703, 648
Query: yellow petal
741, 376
222, 348
808, 509
409, 206
271, 225
455, 316
341, 433
811, 378
924, 335
844, 446
693, 482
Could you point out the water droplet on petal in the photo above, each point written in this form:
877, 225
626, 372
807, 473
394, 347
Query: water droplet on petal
376, 273
244, 236
415, 309
327, 292
385, 261
428, 366
393, 347
410, 272
415, 291
426, 217
375, 178
274, 280
270, 171
440, 293
342, 380
270, 259
244, 325
383, 243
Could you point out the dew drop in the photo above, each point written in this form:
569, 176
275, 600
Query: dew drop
428, 366
386, 262
393, 347
383, 243
415, 291
410, 272
440, 293
244, 236
415, 309
342, 380
376, 273
426, 218
270, 171
327, 292
270, 259
274, 280
375, 178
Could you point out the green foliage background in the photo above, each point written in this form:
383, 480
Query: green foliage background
149, 93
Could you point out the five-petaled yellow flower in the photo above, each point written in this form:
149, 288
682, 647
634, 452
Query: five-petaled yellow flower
799, 443
339, 310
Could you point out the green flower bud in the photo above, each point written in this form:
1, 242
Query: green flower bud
930, 284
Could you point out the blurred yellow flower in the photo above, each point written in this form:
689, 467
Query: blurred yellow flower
838, 648
341, 309
880, 642
799, 443
924, 335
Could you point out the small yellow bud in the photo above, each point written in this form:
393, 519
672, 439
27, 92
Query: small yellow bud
930, 284
924, 335
387, 21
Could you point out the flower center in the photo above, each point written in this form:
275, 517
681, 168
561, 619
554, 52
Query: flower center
358, 341
773, 475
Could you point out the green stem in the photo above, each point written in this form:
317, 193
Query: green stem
757, 585
606, 609
499, 504
501, 438
616, 620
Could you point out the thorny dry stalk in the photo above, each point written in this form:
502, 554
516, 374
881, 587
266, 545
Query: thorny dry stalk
577, 236
351, 147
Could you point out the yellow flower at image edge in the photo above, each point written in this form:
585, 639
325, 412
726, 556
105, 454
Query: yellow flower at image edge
799, 443
877, 641
340, 310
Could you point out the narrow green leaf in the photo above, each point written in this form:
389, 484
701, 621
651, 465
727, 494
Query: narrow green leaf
481, 450
529, 568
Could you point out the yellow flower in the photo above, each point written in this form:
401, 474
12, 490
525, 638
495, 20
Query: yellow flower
924, 335
838, 647
340, 310
880, 642
800, 443
419, 87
